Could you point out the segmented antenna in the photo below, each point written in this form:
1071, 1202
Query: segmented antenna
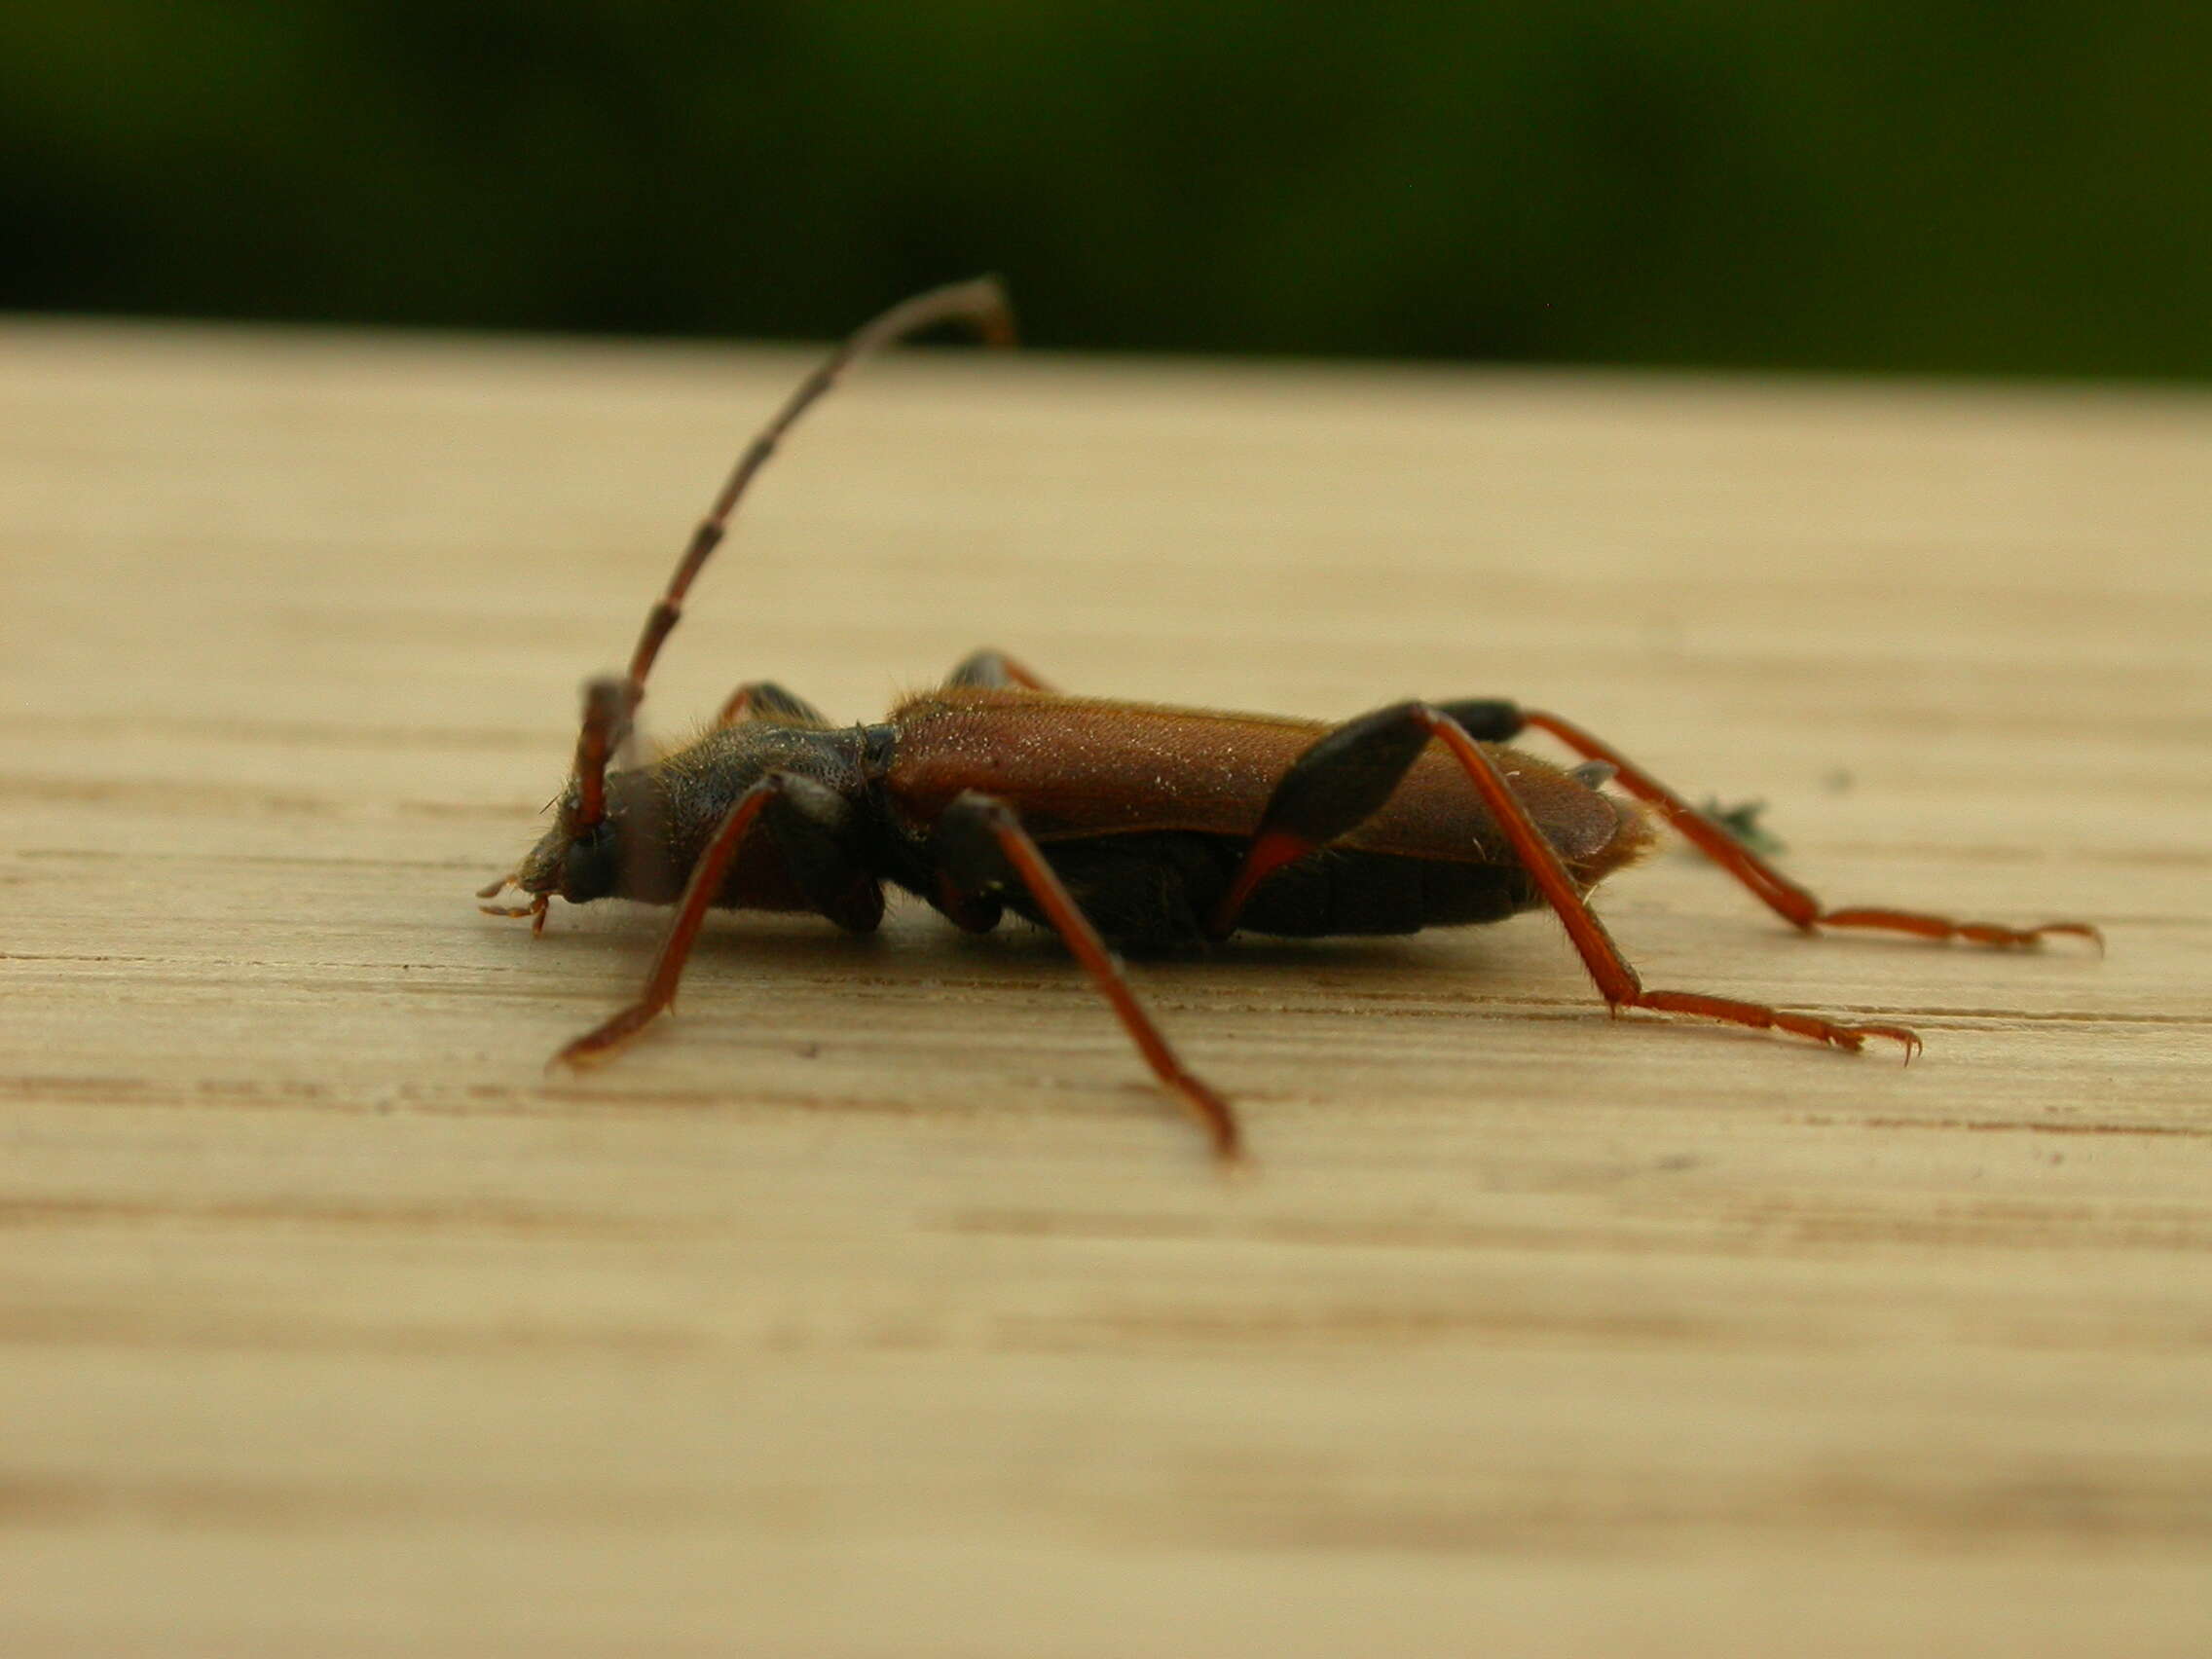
610, 705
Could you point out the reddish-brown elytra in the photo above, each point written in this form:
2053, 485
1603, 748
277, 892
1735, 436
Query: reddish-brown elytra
1122, 824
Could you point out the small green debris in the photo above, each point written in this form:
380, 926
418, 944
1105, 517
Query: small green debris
1741, 822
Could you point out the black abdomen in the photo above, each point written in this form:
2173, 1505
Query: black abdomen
1152, 892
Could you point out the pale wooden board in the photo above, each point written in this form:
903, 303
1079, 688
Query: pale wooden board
876, 1306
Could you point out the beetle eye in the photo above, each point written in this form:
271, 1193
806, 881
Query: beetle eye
589, 867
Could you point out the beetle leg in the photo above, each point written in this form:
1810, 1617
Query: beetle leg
1332, 789
707, 878
818, 832
995, 670
765, 700
1769, 885
1349, 773
970, 913
981, 845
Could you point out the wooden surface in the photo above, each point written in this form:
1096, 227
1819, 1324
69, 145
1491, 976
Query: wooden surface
876, 1306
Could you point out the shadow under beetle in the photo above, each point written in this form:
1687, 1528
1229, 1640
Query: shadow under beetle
1122, 824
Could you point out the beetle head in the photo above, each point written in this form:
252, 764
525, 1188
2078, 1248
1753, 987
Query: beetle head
623, 855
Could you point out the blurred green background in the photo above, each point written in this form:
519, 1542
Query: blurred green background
1827, 184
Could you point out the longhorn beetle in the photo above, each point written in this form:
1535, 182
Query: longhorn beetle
1121, 823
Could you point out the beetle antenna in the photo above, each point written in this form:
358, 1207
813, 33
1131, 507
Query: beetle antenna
606, 706
980, 303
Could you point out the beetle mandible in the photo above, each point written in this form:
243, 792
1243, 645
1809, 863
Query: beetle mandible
1123, 825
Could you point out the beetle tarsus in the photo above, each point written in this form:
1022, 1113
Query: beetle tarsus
1944, 929
1760, 1017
